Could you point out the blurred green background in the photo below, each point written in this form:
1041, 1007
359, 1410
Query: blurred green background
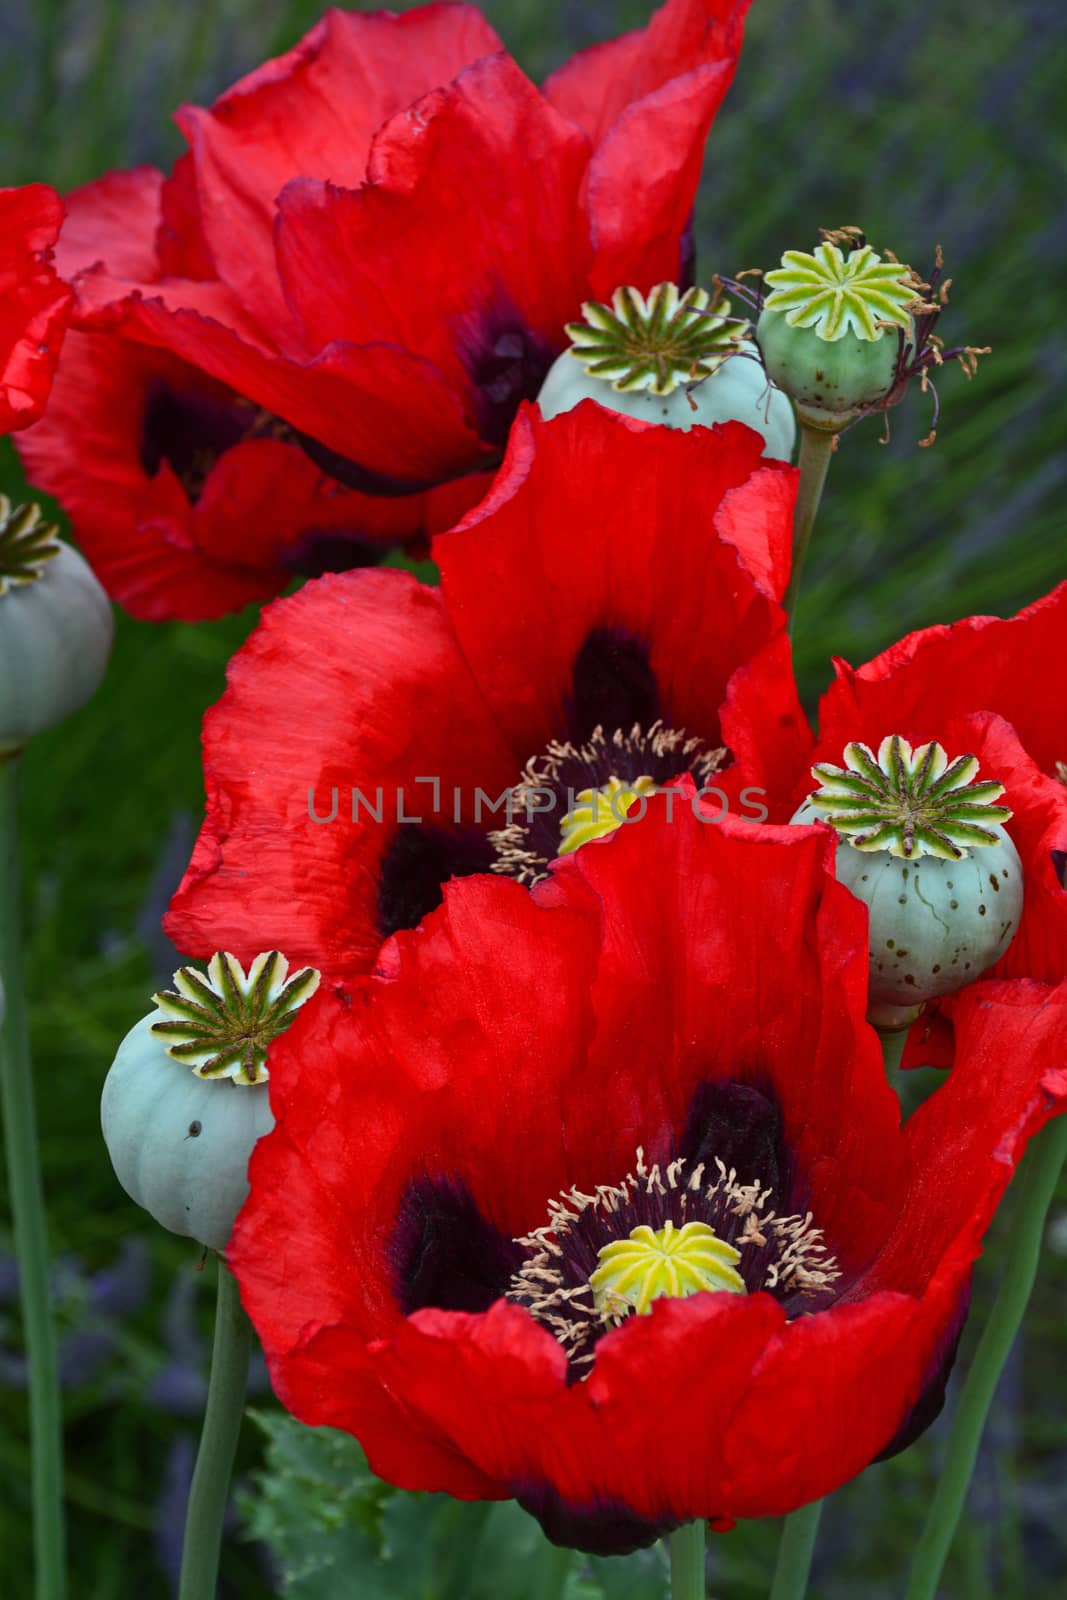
933, 121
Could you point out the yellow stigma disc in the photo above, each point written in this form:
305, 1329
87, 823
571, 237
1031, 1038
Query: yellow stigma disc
598, 812
669, 1261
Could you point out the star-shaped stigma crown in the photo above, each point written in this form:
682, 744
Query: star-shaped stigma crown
833, 294
220, 1024
909, 802
27, 544
661, 343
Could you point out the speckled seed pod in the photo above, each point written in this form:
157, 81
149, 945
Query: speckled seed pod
55, 627
186, 1098
672, 361
927, 852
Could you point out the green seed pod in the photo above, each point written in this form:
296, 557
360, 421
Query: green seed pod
670, 360
186, 1097
56, 627
828, 329
925, 849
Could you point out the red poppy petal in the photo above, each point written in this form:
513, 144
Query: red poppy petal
389, 411
264, 500
354, 683
1011, 666
764, 726
401, 1073
597, 85
1039, 830
643, 180
35, 304
666, 883
526, 577
113, 222
159, 552
1009, 1075
313, 112
482, 167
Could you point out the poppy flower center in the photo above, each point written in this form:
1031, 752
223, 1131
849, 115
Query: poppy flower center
598, 812
191, 429
666, 1261
576, 792
665, 1230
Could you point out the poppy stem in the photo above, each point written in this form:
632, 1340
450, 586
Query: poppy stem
816, 448
795, 1550
1041, 1173
687, 1562
27, 1207
218, 1443
553, 1570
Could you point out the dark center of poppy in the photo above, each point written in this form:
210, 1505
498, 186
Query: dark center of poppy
676, 1229
731, 1174
418, 861
576, 793
190, 429
506, 361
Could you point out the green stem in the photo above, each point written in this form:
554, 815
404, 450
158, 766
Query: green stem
816, 448
27, 1207
795, 1551
218, 1443
893, 1042
1040, 1176
687, 1562
552, 1571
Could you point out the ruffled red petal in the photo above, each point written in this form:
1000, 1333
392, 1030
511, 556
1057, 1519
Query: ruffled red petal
35, 303
354, 683
300, 214
490, 1051
313, 112
596, 86
167, 549
597, 521
1013, 666
112, 223
648, 101
481, 168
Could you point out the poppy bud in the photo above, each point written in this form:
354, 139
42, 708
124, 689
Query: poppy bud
925, 848
55, 626
829, 330
677, 359
186, 1097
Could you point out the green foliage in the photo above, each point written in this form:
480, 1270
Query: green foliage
323, 1514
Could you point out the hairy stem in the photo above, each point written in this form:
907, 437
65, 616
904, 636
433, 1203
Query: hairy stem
1041, 1171
816, 448
795, 1552
218, 1443
687, 1562
28, 1211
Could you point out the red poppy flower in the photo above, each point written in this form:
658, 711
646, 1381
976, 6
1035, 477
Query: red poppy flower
380, 236
188, 500
609, 611
995, 687
35, 303
533, 1077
